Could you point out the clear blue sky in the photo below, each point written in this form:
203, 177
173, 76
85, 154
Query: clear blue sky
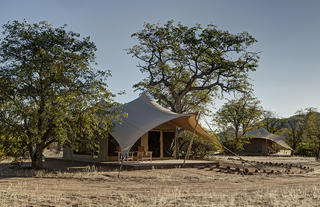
288, 33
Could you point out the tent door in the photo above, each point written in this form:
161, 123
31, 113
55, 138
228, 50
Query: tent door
154, 143
168, 143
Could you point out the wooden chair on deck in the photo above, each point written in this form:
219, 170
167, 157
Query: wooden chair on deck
129, 155
143, 154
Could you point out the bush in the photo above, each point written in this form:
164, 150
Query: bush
9, 147
306, 149
234, 145
200, 148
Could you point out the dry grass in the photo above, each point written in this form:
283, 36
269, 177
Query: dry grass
171, 187
300, 196
22, 195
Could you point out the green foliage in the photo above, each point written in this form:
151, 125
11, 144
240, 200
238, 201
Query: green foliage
235, 118
306, 149
303, 132
295, 130
313, 129
187, 67
270, 122
12, 146
200, 148
49, 89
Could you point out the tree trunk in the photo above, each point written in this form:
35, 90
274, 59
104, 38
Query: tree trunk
294, 145
37, 159
236, 138
318, 157
178, 105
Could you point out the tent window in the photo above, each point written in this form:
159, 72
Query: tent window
112, 146
168, 144
154, 143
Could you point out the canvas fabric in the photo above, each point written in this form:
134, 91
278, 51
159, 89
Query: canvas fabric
262, 133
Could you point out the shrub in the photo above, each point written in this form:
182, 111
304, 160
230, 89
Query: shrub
200, 148
306, 149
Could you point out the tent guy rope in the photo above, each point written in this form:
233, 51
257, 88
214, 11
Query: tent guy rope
191, 141
227, 149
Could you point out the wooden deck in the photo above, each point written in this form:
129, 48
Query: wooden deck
165, 164
129, 165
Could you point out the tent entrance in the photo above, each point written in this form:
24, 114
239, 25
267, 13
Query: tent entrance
154, 143
168, 144
255, 146
161, 143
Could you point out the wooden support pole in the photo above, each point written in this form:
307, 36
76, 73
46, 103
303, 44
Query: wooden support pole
107, 149
161, 144
175, 144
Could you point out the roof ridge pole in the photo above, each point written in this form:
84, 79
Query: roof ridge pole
191, 141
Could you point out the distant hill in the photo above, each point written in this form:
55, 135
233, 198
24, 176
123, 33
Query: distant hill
284, 123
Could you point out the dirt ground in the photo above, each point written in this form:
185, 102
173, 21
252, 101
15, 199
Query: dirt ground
166, 187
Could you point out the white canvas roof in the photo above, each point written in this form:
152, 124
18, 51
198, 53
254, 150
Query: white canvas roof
145, 114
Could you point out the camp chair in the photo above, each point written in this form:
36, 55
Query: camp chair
129, 155
144, 155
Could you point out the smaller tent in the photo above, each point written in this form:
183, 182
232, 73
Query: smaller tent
264, 142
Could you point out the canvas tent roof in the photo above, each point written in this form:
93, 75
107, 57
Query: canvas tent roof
144, 114
262, 133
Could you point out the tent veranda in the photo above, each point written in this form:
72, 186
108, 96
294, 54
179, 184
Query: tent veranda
144, 114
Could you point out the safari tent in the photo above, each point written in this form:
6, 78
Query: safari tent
263, 142
146, 125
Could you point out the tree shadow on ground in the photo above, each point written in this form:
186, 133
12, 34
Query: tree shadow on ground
52, 167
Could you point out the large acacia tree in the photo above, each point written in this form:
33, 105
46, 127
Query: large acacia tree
186, 67
49, 90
